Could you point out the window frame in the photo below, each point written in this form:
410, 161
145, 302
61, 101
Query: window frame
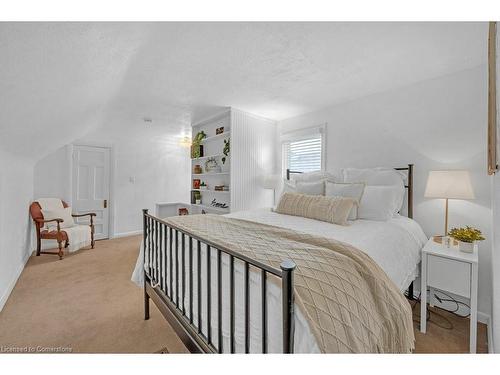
302, 134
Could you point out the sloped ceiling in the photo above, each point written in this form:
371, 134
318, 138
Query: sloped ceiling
61, 80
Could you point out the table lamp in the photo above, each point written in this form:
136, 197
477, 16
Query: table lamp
454, 184
271, 182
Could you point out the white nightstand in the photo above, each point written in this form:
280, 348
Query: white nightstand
450, 270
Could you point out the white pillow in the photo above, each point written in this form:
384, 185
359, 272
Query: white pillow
377, 176
309, 188
346, 190
316, 176
64, 213
380, 202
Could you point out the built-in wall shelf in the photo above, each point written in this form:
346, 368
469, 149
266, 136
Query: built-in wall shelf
251, 137
212, 191
206, 207
209, 156
215, 137
211, 174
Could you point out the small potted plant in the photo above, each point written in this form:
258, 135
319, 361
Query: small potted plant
203, 185
467, 238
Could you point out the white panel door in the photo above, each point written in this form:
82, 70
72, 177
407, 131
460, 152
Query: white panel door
91, 174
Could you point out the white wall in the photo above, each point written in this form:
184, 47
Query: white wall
495, 266
148, 154
16, 192
435, 124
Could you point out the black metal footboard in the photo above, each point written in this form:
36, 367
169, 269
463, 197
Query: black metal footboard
170, 254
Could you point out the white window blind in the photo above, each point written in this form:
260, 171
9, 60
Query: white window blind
304, 154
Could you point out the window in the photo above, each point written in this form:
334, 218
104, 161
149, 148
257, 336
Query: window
303, 151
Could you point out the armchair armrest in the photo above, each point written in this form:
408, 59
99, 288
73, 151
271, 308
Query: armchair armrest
41, 221
91, 214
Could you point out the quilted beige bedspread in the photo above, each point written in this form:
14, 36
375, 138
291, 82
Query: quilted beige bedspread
351, 304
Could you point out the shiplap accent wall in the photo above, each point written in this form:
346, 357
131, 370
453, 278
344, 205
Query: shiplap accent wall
253, 140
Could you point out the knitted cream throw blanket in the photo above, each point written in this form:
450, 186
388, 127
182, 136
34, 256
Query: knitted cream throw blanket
351, 304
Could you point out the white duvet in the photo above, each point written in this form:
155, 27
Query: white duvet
395, 245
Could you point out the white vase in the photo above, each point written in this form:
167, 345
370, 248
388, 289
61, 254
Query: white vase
467, 247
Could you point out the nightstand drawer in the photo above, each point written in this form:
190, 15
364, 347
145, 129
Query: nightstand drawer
449, 275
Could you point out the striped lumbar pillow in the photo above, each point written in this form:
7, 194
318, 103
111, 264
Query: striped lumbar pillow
330, 209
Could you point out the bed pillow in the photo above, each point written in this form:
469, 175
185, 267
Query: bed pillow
335, 176
330, 209
377, 176
62, 213
373, 176
346, 190
310, 188
380, 202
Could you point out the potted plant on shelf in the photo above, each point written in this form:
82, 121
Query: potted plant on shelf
467, 238
203, 185
197, 147
225, 150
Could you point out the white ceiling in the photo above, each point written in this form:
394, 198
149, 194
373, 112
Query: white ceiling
61, 80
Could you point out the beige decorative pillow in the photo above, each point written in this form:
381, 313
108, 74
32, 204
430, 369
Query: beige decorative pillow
346, 190
330, 209
63, 213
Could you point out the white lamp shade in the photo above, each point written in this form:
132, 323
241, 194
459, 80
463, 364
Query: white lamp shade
271, 181
449, 184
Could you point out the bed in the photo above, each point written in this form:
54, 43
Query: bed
238, 304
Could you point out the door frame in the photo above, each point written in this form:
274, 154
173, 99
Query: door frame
112, 161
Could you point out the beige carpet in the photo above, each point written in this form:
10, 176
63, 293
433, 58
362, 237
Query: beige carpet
87, 303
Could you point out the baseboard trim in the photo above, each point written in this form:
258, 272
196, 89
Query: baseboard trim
127, 234
12, 284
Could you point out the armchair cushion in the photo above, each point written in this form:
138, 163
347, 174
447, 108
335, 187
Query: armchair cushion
62, 213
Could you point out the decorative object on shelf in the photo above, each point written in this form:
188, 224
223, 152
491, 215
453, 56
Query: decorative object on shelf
203, 185
211, 165
183, 211
219, 130
195, 197
219, 187
467, 238
197, 147
196, 183
225, 150
218, 204
197, 169
446, 185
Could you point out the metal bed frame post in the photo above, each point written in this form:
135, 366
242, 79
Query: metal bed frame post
144, 234
287, 268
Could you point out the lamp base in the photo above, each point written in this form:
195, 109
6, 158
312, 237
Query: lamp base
441, 239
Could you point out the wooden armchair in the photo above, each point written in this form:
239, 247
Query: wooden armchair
59, 235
